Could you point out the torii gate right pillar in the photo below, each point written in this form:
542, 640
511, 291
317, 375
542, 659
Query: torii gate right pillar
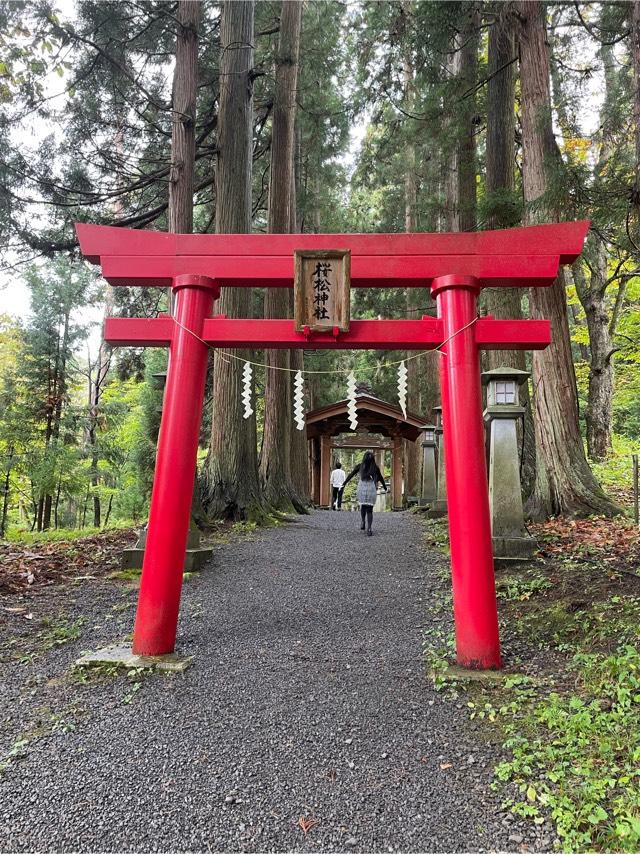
474, 595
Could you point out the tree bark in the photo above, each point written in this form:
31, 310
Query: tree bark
467, 166
183, 146
599, 412
505, 303
108, 513
299, 446
5, 493
231, 488
60, 390
451, 156
96, 388
460, 175
275, 459
592, 292
564, 482
183, 128
635, 55
415, 296
55, 509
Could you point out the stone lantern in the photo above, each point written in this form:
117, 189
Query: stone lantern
428, 488
438, 507
510, 538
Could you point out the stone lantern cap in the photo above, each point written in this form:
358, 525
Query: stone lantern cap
505, 374
502, 384
429, 435
159, 379
437, 411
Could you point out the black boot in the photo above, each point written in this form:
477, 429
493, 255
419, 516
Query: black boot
369, 532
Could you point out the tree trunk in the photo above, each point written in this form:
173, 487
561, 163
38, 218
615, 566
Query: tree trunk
106, 518
598, 414
97, 510
593, 293
451, 158
231, 488
415, 296
183, 144
183, 129
564, 482
5, 495
460, 169
84, 508
55, 510
275, 459
299, 448
635, 54
60, 385
467, 167
505, 303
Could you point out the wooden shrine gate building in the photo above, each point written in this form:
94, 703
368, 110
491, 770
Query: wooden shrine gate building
455, 267
381, 427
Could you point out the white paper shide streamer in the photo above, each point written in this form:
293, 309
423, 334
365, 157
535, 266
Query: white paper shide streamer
298, 400
351, 401
247, 373
402, 387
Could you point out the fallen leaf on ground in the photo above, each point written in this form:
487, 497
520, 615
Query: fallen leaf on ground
307, 823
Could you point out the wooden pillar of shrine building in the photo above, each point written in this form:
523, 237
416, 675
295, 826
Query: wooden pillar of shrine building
325, 471
397, 455
314, 470
381, 427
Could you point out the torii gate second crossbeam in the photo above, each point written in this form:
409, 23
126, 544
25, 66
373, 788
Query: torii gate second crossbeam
455, 266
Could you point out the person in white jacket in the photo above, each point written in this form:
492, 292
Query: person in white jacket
338, 478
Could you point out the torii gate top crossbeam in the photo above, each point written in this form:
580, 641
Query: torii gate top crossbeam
518, 256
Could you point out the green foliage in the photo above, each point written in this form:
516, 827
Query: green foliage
521, 589
616, 472
577, 757
146, 429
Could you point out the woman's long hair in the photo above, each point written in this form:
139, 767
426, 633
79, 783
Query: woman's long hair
368, 466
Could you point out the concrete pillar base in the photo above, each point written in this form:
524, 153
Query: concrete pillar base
121, 656
194, 559
514, 548
437, 510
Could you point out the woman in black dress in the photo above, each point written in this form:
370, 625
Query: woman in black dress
370, 476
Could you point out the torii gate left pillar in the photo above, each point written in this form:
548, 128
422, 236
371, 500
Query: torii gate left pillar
176, 459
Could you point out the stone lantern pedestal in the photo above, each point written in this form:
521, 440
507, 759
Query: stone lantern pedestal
438, 507
510, 538
429, 485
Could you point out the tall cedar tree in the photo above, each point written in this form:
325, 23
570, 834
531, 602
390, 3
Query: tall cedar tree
275, 459
635, 55
230, 482
564, 482
183, 117
501, 210
591, 280
183, 141
415, 296
460, 156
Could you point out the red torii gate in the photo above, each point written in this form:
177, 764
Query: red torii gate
455, 266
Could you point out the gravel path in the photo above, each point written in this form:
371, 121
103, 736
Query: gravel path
308, 704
